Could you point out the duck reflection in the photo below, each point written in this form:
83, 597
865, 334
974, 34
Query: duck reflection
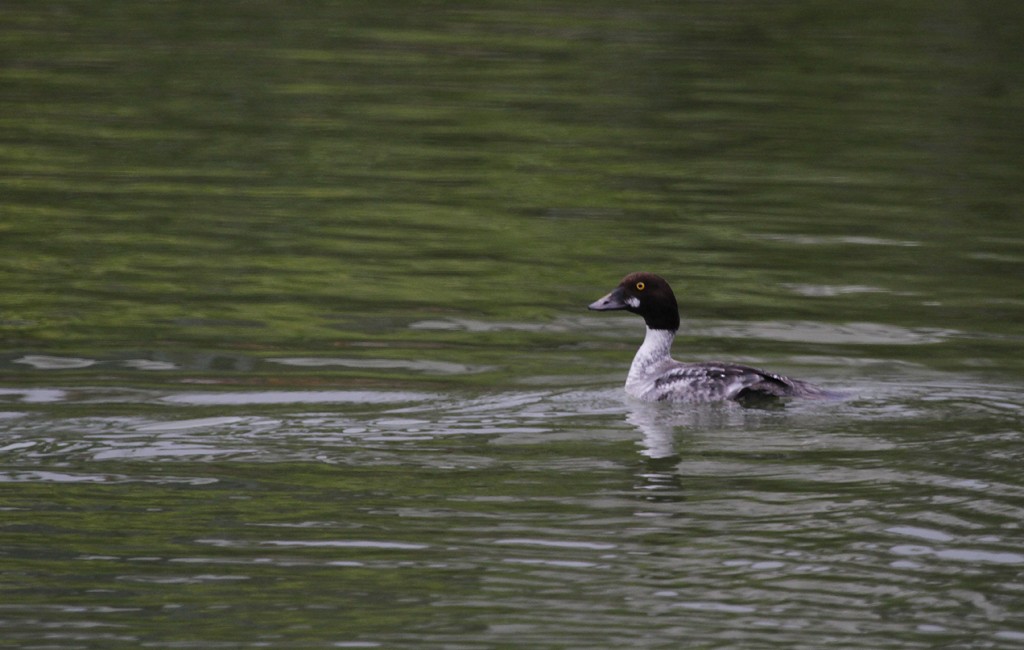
658, 424
659, 479
660, 428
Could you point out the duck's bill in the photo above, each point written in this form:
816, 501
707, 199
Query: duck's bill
614, 300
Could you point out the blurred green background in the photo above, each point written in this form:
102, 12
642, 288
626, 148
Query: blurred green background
294, 174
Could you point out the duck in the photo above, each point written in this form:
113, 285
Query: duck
655, 376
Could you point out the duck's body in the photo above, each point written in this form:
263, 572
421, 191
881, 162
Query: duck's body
656, 376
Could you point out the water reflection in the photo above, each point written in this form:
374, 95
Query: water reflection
662, 430
657, 430
660, 424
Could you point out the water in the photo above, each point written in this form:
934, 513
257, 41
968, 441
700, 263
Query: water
295, 348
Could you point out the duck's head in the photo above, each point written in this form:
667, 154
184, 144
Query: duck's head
646, 294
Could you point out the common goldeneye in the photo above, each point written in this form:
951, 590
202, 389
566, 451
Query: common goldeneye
656, 376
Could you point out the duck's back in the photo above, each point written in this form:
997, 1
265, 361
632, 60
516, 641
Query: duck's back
713, 381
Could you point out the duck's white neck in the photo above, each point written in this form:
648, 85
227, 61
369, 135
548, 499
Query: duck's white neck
655, 350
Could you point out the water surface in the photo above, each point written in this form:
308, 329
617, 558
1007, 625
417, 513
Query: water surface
295, 348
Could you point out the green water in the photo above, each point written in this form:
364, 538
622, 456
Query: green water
295, 350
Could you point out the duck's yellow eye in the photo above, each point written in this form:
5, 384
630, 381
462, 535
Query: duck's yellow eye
640, 286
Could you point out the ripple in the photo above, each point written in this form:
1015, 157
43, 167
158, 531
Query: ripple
349, 543
428, 367
167, 449
296, 397
36, 395
922, 533
469, 325
831, 240
562, 564
717, 607
183, 580
182, 425
55, 477
960, 555
976, 555
831, 290
552, 543
817, 332
44, 362
149, 364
